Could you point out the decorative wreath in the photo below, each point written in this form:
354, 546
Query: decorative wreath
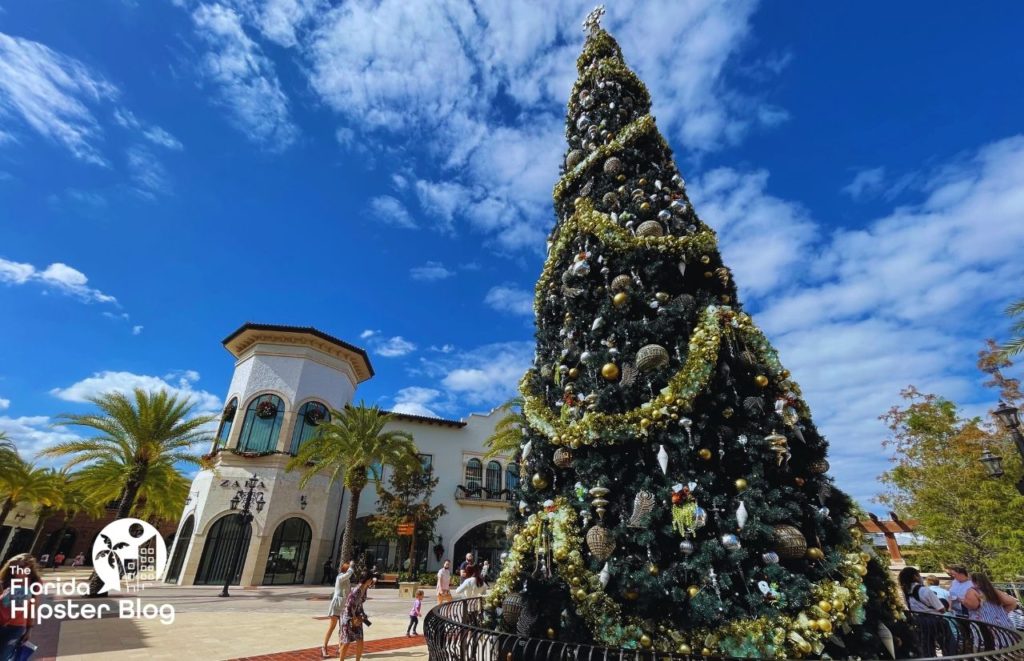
266, 409
315, 415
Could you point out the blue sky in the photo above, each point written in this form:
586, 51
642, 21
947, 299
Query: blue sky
383, 171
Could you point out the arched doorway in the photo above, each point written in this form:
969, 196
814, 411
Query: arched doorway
63, 540
178, 557
364, 541
289, 549
227, 540
486, 541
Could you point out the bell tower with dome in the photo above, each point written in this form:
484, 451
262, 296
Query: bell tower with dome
286, 380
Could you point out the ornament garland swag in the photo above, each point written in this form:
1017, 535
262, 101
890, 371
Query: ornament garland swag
674, 492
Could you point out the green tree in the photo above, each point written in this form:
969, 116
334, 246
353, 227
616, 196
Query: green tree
936, 478
673, 463
8, 453
508, 433
349, 447
407, 500
1015, 345
135, 457
23, 482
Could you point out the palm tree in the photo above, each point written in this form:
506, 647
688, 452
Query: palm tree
8, 452
24, 482
1016, 344
508, 435
349, 447
112, 555
134, 458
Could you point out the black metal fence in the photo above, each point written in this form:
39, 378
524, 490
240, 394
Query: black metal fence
454, 633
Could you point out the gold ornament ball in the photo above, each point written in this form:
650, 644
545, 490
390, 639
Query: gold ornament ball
645, 423
705, 652
539, 481
799, 481
727, 412
825, 625
620, 299
705, 259
741, 484
812, 625
551, 632
574, 373
814, 553
704, 454
610, 371
708, 274
561, 554
581, 594
864, 557
761, 380
652, 569
838, 605
645, 641
692, 591
825, 606
683, 648
862, 570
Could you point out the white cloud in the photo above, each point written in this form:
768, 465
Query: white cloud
489, 374
437, 71
415, 400
32, 434
180, 384
281, 20
506, 298
431, 271
57, 276
155, 134
390, 211
865, 183
444, 348
247, 81
147, 173
52, 93
4, 404
368, 333
907, 299
137, 330
393, 347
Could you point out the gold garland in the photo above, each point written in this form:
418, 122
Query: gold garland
780, 636
633, 131
613, 68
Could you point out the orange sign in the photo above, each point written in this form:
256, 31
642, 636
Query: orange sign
406, 529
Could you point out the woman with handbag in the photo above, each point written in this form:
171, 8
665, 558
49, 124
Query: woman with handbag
354, 617
342, 587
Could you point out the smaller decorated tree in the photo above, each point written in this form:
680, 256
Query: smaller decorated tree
405, 502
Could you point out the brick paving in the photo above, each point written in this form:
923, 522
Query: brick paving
313, 653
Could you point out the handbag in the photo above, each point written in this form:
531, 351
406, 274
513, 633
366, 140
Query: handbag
24, 651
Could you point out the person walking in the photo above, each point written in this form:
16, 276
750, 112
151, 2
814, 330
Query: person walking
79, 560
444, 582
472, 585
17, 577
354, 617
414, 614
342, 586
58, 560
986, 603
468, 562
958, 587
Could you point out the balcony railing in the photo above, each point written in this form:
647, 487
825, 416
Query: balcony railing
478, 492
454, 633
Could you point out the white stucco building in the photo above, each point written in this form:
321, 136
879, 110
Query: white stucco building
285, 380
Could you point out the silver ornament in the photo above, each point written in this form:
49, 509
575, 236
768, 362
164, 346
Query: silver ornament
730, 541
573, 158
605, 576
682, 268
700, 518
663, 460
643, 504
770, 557
651, 357
527, 450
686, 546
613, 165
664, 215
650, 228
741, 515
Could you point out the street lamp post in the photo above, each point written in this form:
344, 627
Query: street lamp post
1008, 417
248, 499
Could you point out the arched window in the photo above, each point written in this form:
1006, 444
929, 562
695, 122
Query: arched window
262, 424
180, 547
493, 481
289, 549
226, 420
474, 476
311, 414
511, 479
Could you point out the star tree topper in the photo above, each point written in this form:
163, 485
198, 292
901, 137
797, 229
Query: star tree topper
593, 22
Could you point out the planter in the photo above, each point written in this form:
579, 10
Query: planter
407, 589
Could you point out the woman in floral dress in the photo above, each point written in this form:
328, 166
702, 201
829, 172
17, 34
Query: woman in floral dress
353, 618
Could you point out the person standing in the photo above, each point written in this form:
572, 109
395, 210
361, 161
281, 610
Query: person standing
472, 585
16, 578
79, 560
342, 586
444, 582
354, 617
986, 603
58, 560
919, 598
958, 587
932, 583
414, 614
328, 576
468, 562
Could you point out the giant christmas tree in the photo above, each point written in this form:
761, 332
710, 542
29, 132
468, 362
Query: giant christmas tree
675, 493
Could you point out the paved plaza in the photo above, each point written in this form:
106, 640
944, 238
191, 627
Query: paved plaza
286, 622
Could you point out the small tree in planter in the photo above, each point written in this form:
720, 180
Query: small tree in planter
406, 500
